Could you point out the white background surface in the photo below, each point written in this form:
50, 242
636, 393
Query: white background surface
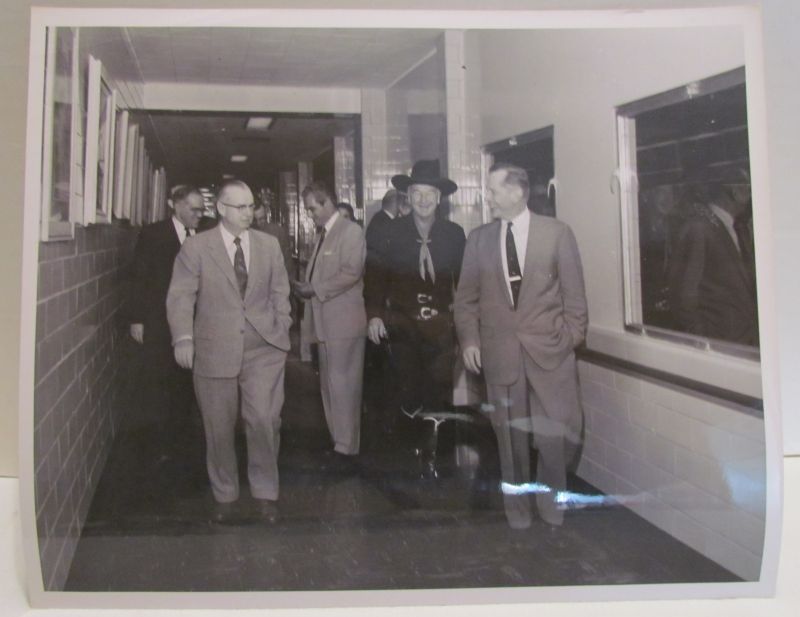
782, 51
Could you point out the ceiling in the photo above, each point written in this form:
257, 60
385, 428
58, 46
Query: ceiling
196, 147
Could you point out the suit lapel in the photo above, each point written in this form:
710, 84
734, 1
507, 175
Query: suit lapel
733, 252
496, 255
530, 259
220, 255
328, 244
256, 262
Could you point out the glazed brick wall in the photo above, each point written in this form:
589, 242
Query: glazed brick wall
692, 465
79, 375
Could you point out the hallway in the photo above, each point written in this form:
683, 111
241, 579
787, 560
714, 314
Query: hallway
383, 526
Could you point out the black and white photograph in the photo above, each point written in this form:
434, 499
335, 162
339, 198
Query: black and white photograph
351, 302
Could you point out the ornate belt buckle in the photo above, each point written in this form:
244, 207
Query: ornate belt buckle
426, 313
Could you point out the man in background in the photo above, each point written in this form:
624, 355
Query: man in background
712, 274
262, 223
334, 294
167, 388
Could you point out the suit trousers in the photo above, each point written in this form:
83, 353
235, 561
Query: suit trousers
259, 388
545, 405
168, 396
341, 377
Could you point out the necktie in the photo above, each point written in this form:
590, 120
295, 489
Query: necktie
316, 253
186, 229
239, 266
514, 271
425, 260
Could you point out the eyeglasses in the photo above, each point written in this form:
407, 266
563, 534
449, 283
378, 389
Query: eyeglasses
250, 207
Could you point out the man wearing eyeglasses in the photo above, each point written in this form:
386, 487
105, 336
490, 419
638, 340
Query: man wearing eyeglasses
167, 388
228, 310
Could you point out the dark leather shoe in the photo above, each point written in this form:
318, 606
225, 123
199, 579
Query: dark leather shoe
340, 464
267, 510
222, 512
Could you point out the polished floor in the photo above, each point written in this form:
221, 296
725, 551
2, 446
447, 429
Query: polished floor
397, 521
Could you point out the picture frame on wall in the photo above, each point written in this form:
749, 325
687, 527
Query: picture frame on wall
61, 84
120, 159
694, 459
99, 161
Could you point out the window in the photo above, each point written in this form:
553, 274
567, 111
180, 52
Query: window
533, 151
687, 217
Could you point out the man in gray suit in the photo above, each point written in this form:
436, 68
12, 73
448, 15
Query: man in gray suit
334, 294
520, 310
228, 311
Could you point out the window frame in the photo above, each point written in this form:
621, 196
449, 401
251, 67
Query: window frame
628, 190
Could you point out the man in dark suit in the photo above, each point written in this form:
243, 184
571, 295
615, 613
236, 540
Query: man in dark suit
228, 311
712, 274
379, 385
262, 223
333, 291
393, 206
168, 388
520, 310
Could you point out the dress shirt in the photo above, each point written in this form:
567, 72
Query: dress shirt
519, 229
230, 247
180, 229
727, 221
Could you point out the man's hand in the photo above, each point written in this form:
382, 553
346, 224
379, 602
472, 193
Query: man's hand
302, 289
137, 332
184, 354
376, 330
472, 359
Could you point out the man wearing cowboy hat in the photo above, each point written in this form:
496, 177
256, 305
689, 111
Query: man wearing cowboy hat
410, 300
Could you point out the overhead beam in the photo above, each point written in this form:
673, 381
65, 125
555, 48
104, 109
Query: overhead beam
249, 98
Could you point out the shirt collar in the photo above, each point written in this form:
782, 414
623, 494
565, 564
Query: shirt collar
228, 237
522, 220
331, 222
723, 215
180, 228
389, 214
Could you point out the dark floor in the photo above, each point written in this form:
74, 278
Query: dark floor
390, 525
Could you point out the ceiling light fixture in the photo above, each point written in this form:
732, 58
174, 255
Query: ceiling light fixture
258, 123
238, 158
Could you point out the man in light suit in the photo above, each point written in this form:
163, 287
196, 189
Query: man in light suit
228, 310
520, 310
167, 387
333, 291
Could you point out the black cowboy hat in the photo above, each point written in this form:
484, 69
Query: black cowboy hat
425, 172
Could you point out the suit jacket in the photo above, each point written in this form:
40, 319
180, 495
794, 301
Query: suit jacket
397, 278
337, 307
279, 233
377, 235
712, 289
156, 249
204, 301
551, 315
